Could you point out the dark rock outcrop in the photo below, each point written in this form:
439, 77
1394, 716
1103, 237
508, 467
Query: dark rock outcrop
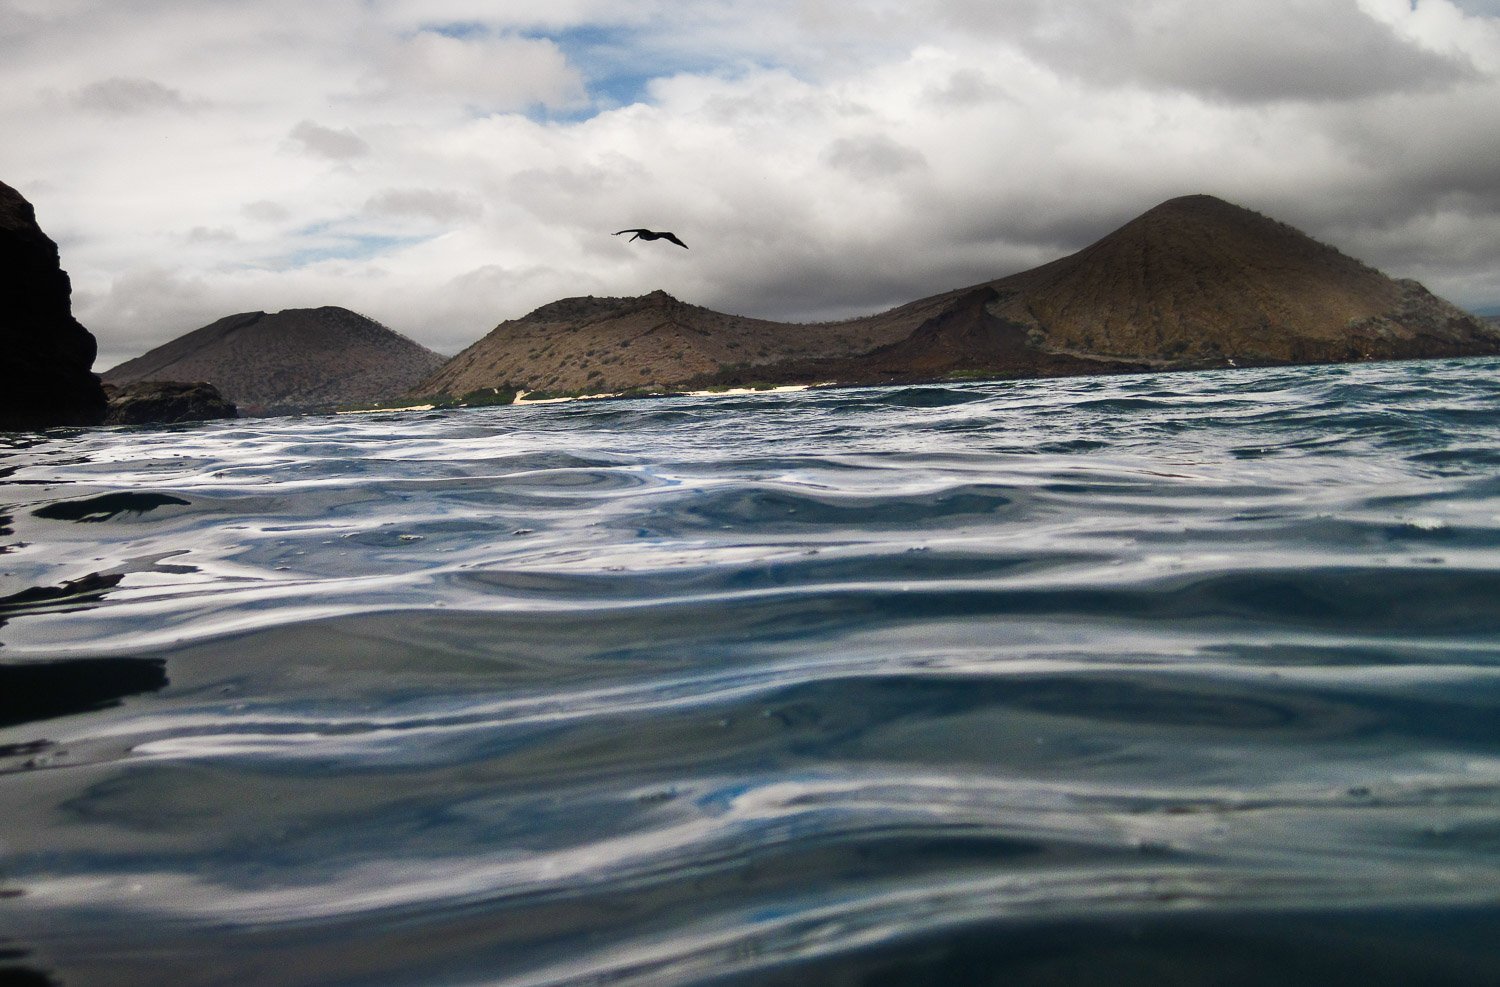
45, 355
300, 359
162, 402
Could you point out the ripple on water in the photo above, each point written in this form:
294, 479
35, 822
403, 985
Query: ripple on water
1168, 678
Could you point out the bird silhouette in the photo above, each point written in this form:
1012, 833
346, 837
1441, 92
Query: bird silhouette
652, 235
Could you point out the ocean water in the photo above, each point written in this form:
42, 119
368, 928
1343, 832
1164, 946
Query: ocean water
1175, 678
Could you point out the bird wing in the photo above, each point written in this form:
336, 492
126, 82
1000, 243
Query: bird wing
673, 238
630, 231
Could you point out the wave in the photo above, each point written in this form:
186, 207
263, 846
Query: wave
1172, 676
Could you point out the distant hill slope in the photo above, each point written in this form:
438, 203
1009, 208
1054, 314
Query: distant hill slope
614, 344
297, 359
1194, 282
1197, 279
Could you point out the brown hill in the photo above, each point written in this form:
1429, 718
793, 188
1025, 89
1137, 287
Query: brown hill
1197, 279
615, 344
1194, 282
45, 354
296, 360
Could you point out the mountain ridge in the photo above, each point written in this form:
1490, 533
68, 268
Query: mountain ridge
648, 341
1194, 282
1283, 296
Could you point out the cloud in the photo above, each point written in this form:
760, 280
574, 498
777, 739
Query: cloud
489, 73
438, 205
442, 165
965, 87
203, 234
1246, 51
325, 142
125, 97
873, 156
148, 302
265, 211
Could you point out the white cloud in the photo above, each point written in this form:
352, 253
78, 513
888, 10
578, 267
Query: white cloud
486, 73
128, 96
873, 156
1239, 50
437, 205
443, 164
325, 142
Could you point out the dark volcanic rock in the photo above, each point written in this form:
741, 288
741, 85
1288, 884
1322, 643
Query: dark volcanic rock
45, 354
160, 402
300, 359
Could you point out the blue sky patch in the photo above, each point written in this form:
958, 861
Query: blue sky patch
618, 63
334, 246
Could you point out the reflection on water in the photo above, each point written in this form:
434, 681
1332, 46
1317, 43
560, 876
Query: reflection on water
41, 690
84, 590
106, 506
1182, 679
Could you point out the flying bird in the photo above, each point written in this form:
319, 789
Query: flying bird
652, 235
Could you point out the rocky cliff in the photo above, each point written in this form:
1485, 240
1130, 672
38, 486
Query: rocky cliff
45, 376
294, 360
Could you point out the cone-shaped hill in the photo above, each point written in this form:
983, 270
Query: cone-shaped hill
1200, 279
1194, 282
297, 359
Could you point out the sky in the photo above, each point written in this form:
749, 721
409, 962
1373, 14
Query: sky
444, 165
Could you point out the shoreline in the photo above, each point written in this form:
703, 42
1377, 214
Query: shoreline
522, 399
913, 381
381, 411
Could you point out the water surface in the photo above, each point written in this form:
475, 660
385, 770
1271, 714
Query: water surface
1162, 679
